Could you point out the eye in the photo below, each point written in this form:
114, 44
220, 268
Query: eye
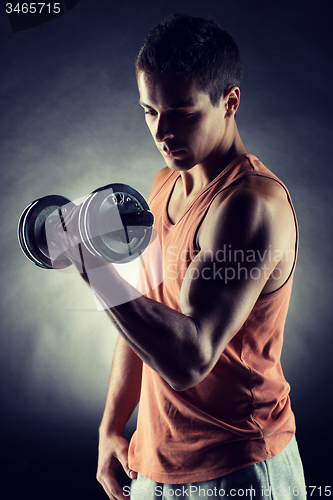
150, 112
182, 114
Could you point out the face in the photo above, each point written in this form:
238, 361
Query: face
187, 129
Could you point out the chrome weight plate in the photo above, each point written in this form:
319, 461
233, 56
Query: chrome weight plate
32, 235
115, 223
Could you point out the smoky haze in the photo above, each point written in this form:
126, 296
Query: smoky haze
70, 123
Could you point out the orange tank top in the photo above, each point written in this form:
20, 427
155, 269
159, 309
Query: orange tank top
240, 413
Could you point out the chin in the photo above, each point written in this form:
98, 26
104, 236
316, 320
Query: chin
180, 165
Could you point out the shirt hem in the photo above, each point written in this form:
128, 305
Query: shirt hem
209, 474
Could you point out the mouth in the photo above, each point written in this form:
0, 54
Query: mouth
174, 153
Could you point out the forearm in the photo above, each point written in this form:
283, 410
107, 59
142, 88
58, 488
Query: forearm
163, 338
124, 389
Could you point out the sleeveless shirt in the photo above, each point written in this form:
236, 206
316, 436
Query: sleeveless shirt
240, 413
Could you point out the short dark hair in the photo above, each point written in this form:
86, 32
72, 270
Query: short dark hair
192, 47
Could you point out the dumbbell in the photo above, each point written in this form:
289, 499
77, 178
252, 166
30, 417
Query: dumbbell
115, 225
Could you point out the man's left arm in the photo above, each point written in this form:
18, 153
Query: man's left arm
184, 346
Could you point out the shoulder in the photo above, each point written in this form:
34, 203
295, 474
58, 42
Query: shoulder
162, 174
253, 204
252, 192
259, 185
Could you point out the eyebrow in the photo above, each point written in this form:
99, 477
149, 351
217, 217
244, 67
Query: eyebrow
181, 104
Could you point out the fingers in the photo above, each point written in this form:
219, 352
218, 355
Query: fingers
62, 231
68, 243
113, 489
113, 452
133, 474
122, 456
69, 228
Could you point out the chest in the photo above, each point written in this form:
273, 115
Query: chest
178, 203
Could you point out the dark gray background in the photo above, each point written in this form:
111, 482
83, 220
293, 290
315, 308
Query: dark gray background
70, 122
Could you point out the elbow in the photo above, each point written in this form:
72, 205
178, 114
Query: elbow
198, 359
180, 386
188, 380
193, 361
192, 373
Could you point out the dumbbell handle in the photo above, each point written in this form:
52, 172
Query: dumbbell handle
143, 218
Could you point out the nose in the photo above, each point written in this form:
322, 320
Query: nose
163, 129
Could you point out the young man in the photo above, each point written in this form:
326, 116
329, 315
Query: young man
201, 351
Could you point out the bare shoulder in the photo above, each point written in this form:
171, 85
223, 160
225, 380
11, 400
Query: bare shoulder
245, 206
253, 192
162, 174
258, 187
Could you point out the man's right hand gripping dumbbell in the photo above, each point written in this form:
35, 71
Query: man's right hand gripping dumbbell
113, 224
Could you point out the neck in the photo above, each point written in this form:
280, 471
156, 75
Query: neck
199, 176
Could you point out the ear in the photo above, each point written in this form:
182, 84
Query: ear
231, 99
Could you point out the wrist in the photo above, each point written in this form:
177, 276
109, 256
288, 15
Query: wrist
111, 428
110, 288
114, 420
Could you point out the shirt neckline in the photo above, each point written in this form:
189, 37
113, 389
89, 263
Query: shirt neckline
166, 217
